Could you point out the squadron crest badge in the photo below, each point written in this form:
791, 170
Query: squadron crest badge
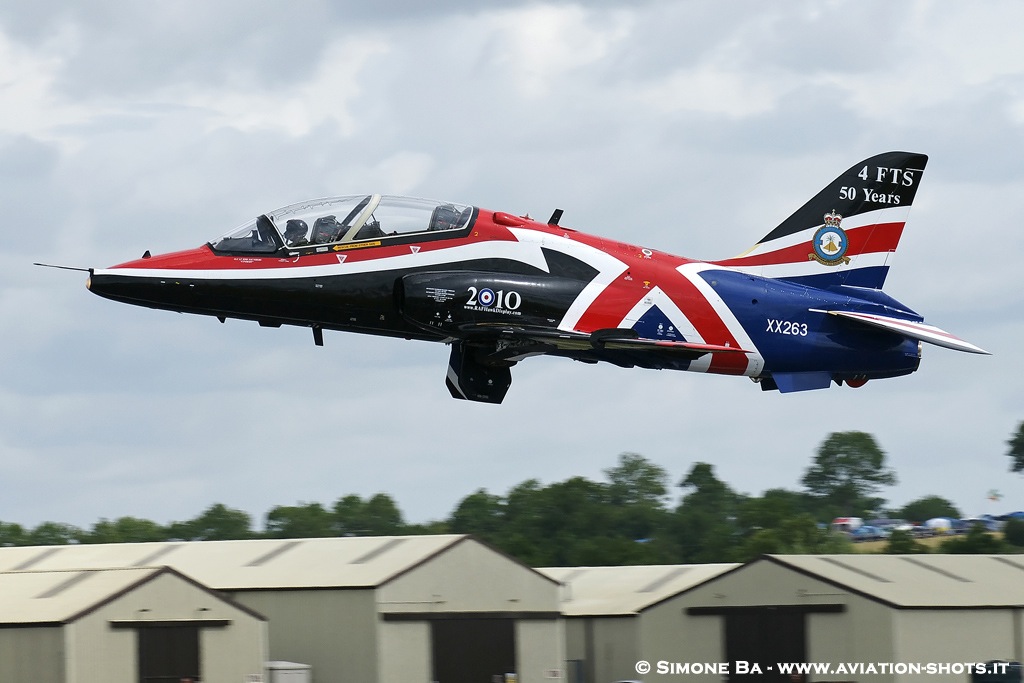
830, 242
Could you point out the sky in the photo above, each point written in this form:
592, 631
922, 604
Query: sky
690, 127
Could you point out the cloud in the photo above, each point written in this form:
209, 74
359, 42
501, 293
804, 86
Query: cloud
325, 97
693, 128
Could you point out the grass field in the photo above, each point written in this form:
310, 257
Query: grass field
932, 542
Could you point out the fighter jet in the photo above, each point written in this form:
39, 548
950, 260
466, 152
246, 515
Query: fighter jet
803, 309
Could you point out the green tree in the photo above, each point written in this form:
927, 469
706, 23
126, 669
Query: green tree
53, 533
795, 535
902, 542
576, 521
771, 509
637, 481
1016, 453
382, 516
929, 507
348, 516
431, 528
704, 526
977, 541
12, 534
1013, 532
567, 515
378, 516
521, 518
637, 489
217, 523
125, 530
309, 520
481, 514
760, 542
847, 471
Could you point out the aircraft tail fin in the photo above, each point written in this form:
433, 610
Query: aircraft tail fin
846, 234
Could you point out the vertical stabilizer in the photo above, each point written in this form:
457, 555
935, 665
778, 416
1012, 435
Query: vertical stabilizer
846, 234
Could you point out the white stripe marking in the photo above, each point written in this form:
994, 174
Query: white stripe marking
657, 297
692, 271
897, 214
528, 253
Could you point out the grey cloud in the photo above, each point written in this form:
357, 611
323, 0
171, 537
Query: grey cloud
111, 410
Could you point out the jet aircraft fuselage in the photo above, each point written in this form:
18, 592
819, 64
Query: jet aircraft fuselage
803, 309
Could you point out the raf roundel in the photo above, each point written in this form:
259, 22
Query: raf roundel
830, 242
486, 297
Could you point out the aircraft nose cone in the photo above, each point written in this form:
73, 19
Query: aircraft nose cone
145, 289
117, 287
101, 285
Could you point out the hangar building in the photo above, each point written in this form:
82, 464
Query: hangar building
612, 613
889, 610
123, 625
439, 608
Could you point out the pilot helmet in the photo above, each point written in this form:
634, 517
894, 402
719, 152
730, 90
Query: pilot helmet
446, 217
325, 229
295, 229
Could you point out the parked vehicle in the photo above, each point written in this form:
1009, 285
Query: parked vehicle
847, 524
869, 533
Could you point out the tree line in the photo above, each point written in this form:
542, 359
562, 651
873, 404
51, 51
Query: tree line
629, 518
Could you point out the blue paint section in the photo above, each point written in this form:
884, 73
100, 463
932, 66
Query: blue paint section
801, 381
655, 325
779, 317
872, 277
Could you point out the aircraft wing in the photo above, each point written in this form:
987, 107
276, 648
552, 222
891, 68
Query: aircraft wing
908, 328
612, 339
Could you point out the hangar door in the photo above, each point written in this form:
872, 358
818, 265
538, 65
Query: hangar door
765, 636
467, 650
169, 654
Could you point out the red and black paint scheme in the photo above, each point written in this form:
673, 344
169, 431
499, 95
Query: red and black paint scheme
801, 310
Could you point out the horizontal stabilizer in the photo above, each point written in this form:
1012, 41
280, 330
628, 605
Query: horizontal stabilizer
909, 328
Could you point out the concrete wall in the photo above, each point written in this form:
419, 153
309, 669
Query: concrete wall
667, 633
574, 634
608, 646
954, 636
405, 651
539, 650
867, 631
32, 654
469, 577
862, 633
98, 653
334, 631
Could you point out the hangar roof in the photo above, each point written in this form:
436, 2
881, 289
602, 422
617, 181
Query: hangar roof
919, 581
61, 597
620, 591
348, 562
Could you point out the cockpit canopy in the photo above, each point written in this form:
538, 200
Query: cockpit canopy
359, 219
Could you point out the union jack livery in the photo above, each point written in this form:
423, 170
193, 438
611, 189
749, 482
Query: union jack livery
802, 309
